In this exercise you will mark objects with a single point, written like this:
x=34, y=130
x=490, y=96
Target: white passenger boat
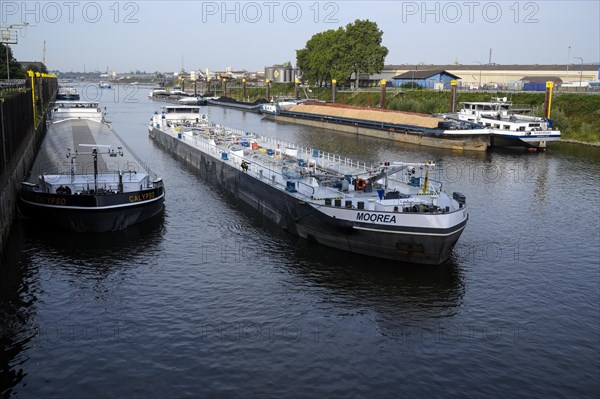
x=191, y=101
x=393, y=210
x=275, y=108
x=175, y=115
x=507, y=126
x=67, y=93
x=158, y=92
x=176, y=91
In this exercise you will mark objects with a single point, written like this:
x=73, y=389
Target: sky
x=158, y=35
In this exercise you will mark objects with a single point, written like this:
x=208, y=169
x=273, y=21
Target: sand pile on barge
x=395, y=117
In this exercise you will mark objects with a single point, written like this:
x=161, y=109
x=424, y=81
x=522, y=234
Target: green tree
x=16, y=71
x=323, y=57
x=365, y=52
x=336, y=54
x=34, y=68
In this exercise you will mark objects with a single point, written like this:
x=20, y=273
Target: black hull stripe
x=416, y=230
x=94, y=208
x=410, y=232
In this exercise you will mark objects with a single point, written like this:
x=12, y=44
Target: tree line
x=340, y=53
x=15, y=68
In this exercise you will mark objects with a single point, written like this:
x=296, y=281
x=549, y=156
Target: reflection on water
x=541, y=187
x=96, y=255
x=399, y=296
x=124, y=244
x=578, y=152
x=26, y=269
x=18, y=294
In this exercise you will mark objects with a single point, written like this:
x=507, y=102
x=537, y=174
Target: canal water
x=209, y=300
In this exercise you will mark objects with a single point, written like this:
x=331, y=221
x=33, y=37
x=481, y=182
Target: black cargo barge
x=99, y=186
x=228, y=102
x=91, y=213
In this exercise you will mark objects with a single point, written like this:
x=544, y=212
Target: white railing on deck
x=308, y=152
x=324, y=159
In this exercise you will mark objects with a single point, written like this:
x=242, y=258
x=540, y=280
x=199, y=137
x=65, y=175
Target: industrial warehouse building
x=496, y=76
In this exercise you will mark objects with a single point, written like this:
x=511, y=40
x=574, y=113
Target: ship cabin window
x=521, y=128
x=488, y=125
x=186, y=110
x=506, y=127
x=77, y=105
x=534, y=125
x=497, y=126
x=504, y=107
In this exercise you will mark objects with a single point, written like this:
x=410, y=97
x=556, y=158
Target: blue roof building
x=426, y=79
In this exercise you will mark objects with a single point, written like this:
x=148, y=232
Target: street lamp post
x=8, y=35
x=268, y=89
x=580, y=70
x=568, y=60
x=5, y=39
x=7, y=63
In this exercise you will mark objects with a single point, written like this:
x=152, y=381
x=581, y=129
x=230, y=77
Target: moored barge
x=393, y=210
x=86, y=179
x=392, y=125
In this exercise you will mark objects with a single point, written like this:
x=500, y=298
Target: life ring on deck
x=361, y=184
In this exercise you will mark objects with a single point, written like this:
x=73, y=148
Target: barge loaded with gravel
x=406, y=127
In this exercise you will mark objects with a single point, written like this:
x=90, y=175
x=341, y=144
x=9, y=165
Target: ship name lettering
x=141, y=197
x=374, y=217
x=51, y=200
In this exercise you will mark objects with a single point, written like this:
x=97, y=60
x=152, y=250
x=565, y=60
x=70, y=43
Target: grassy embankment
x=576, y=115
